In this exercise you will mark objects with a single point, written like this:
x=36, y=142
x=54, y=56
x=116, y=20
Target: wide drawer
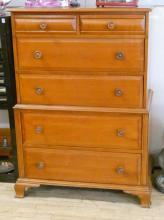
x=64, y=24
x=114, y=55
x=82, y=166
x=107, y=91
x=112, y=24
x=81, y=129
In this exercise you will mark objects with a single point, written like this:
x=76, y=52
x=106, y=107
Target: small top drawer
x=56, y=24
x=109, y=24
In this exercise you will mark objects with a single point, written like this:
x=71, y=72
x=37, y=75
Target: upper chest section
x=78, y=22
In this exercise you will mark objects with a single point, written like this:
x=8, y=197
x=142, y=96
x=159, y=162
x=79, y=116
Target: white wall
x=156, y=71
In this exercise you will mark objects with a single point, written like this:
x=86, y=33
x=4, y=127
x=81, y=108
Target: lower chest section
x=80, y=146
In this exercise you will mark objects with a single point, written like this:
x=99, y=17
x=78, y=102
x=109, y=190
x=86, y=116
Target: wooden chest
x=83, y=106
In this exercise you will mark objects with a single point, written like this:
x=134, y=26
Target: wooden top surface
x=79, y=9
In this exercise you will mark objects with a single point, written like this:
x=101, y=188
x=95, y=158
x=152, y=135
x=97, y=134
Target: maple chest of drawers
x=83, y=106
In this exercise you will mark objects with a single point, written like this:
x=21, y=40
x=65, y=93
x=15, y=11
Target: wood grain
x=70, y=166
x=112, y=24
x=56, y=24
x=110, y=91
x=86, y=54
x=81, y=129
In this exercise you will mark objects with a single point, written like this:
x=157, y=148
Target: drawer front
x=82, y=166
x=108, y=91
x=114, y=55
x=56, y=24
x=112, y=24
x=81, y=129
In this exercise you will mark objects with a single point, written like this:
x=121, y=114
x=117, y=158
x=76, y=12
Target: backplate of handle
x=120, y=55
x=37, y=54
x=120, y=133
x=111, y=26
x=43, y=26
x=40, y=165
x=39, y=90
x=120, y=170
x=118, y=92
x=38, y=129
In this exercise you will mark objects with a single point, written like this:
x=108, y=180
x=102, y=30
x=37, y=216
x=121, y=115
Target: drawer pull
x=120, y=170
x=43, y=26
x=40, y=165
x=118, y=92
x=120, y=56
x=39, y=90
x=38, y=130
x=111, y=26
x=120, y=133
x=38, y=54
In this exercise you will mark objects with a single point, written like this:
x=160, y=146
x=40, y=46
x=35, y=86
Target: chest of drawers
x=83, y=107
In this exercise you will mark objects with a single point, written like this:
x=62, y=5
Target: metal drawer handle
x=120, y=55
x=40, y=165
x=2, y=81
x=39, y=130
x=118, y=92
x=120, y=133
x=1, y=73
x=3, y=99
x=120, y=170
x=38, y=54
x=2, y=90
x=43, y=26
x=39, y=90
x=111, y=26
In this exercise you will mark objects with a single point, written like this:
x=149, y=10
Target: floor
x=57, y=203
